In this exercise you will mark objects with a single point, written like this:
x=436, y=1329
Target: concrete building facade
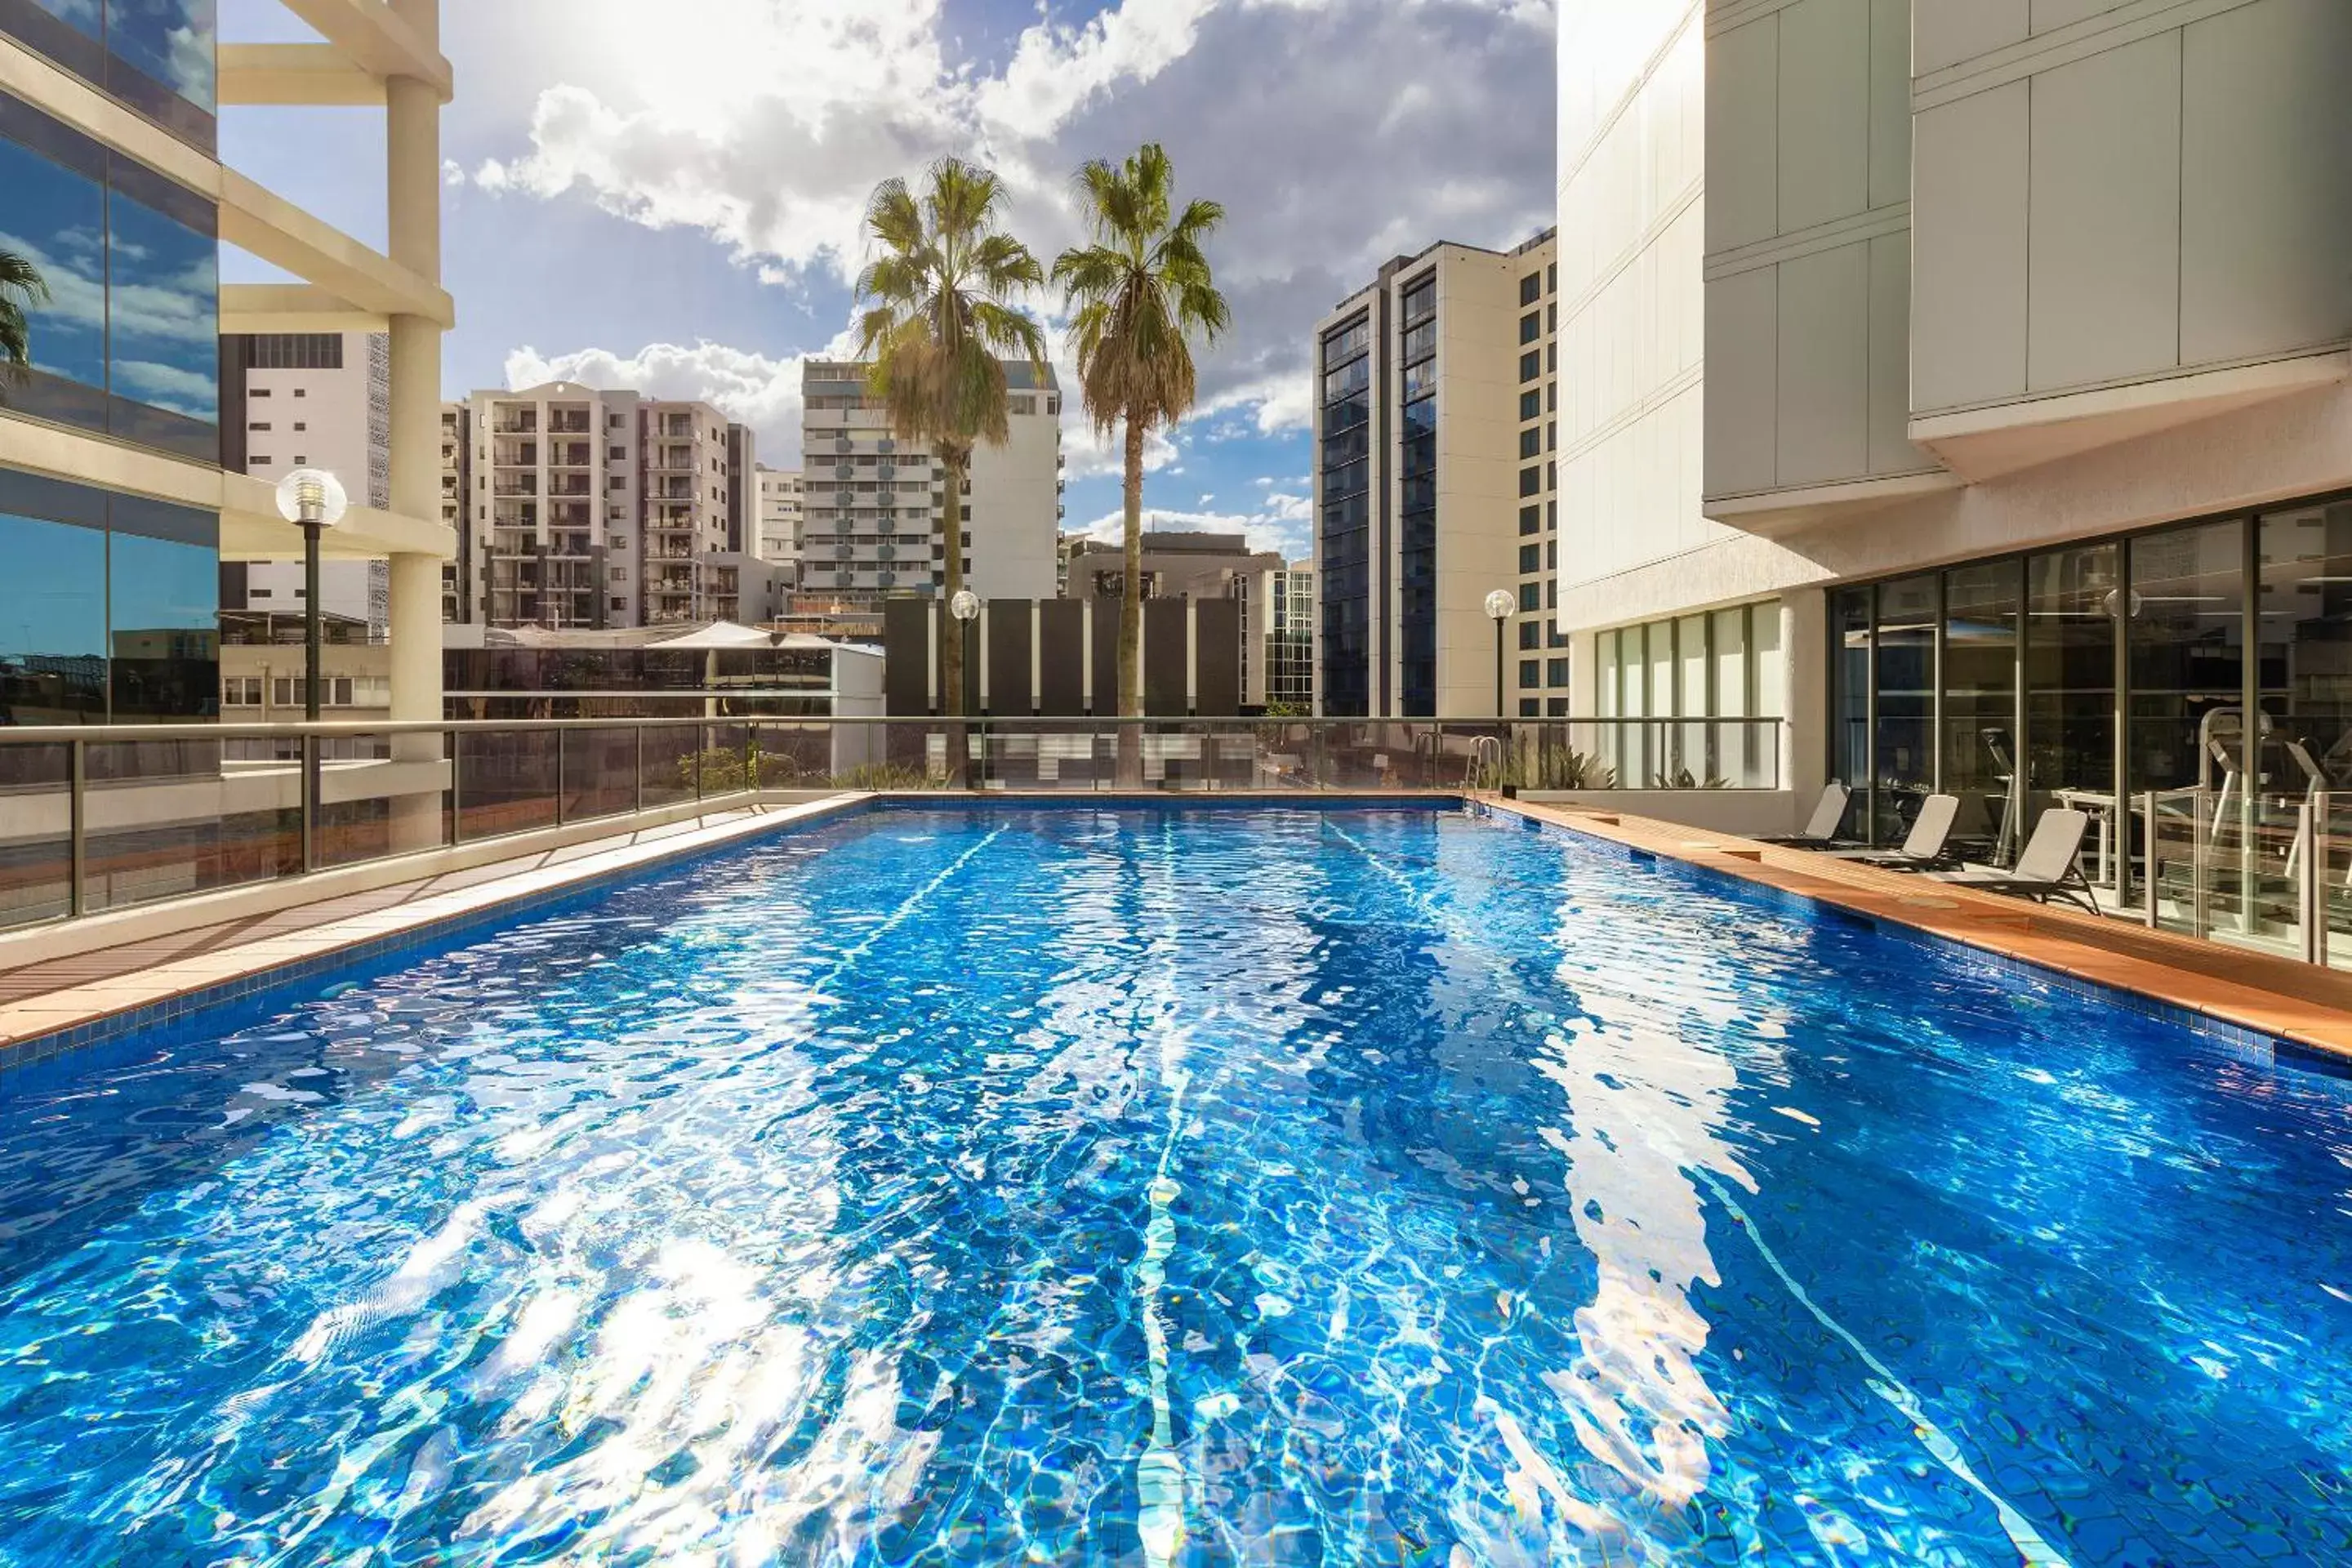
x=309, y=400
x=871, y=502
x=588, y=509
x=2021, y=335
x=1431, y=427
x=782, y=520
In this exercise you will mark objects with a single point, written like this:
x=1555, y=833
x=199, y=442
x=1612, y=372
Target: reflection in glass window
x=2187, y=611
x=1981, y=604
x=170, y=40
x=166, y=313
x=82, y=15
x=2307, y=646
x=165, y=615
x=2073, y=597
x=55, y=218
x=1906, y=668
x=53, y=637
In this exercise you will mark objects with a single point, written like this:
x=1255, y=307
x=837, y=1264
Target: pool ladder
x=1485, y=769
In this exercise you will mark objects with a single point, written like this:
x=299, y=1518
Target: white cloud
x=1320, y=124
x=753, y=389
x=1280, y=528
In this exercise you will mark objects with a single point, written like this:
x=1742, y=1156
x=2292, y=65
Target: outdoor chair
x=1927, y=848
x=1821, y=833
x=2050, y=869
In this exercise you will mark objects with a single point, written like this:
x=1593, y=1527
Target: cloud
x=1336, y=133
x=1279, y=525
x=753, y=389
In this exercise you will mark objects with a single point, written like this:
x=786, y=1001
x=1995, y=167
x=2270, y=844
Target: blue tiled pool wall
x=176, y=1020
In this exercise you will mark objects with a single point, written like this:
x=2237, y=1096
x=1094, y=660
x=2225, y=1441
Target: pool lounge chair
x=1821, y=833
x=2050, y=869
x=1928, y=847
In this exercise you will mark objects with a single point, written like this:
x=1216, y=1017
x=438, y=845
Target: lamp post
x=965, y=608
x=1499, y=605
x=313, y=500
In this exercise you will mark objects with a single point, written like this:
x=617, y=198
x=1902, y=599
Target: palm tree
x=940, y=315
x=1134, y=297
x=21, y=287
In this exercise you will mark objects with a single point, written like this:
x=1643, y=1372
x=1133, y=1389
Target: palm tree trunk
x=1130, y=618
x=952, y=631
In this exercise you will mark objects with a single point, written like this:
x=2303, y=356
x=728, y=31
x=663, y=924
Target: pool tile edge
x=43, y=1026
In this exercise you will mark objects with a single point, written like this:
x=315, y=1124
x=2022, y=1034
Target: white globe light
x=965, y=605
x=1500, y=603
x=312, y=495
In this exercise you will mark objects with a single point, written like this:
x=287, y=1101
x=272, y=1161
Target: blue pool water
x=1075, y=1186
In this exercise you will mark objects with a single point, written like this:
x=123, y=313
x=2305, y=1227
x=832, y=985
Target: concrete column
x=413, y=186
x=1805, y=665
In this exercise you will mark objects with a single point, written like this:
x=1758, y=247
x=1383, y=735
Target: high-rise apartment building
x=1966, y=383
x=597, y=509
x=117, y=509
x=297, y=400
x=781, y=520
x=1432, y=431
x=871, y=501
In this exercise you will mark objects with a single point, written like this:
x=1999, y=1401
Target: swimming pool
x=1185, y=1186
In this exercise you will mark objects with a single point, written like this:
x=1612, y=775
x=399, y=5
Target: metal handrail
x=105, y=734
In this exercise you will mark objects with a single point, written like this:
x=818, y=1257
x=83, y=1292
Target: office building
x=1176, y=565
x=1279, y=637
x=871, y=514
x=1433, y=482
x=781, y=520
x=588, y=509
x=297, y=400
x=117, y=509
x=1968, y=386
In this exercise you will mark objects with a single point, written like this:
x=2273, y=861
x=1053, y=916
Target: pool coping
x=2265, y=1003
x=42, y=1027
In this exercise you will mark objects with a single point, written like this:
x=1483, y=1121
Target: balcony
x=522, y=424
x=571, y=455
x=527, y=486
x=569, y=422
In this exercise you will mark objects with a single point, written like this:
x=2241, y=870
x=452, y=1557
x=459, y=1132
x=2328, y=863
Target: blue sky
x=666, y=196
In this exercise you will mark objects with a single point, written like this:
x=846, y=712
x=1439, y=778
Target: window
x=1530, y=672
x=1531, y=365
x=262, y=425
x=620, y=604
x=1530, y=405
x=1531, y=326
x=300, y=426
x=1551, y=399
x=1556, y=673
x=1530, y=288
x=1552, y=436
x=1530, y=597
x=1531, y=708
x=1531, y=442
x=1530, y=558
x=1531, y=636
x=1530, y=519
x=1551, y=278
x=301, y=392
x=1531, y=482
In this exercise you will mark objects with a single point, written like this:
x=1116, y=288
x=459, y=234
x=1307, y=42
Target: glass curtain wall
x=127, y=342
x=1346, y=521
x=156, y=55
x=1905, y=669
x=2103, y=676
x=1982, y=606
x=1417, y=536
